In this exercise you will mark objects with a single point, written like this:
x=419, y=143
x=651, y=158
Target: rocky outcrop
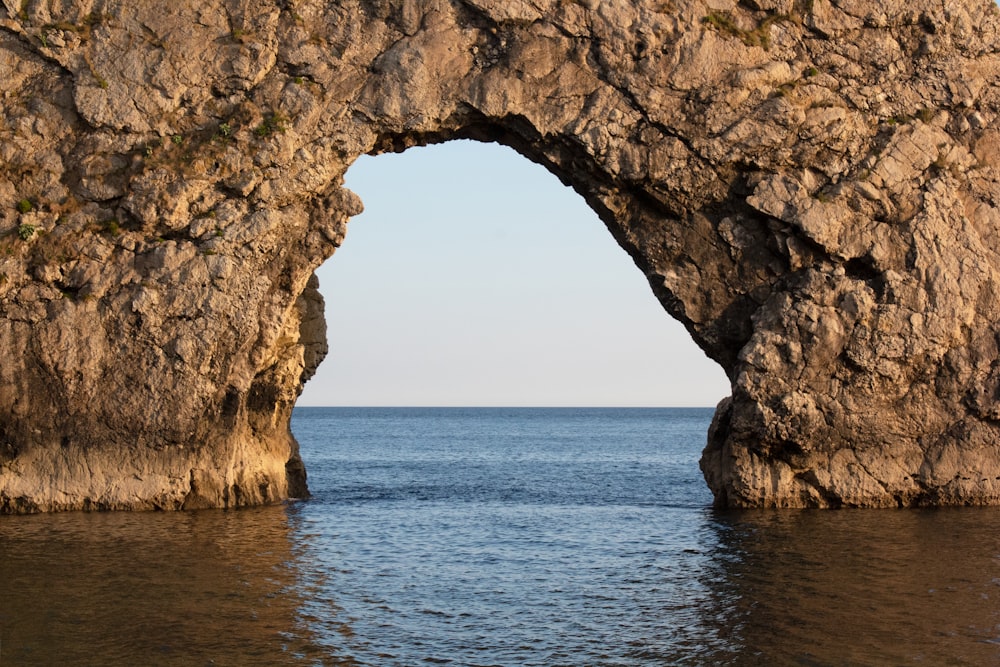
x=810, y=187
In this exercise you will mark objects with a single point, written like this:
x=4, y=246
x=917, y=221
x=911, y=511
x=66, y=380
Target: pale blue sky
x=475, y=278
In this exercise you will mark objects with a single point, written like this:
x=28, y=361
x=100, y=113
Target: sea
x=496, y=536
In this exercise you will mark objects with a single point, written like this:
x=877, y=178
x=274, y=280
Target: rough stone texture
x=811, y=187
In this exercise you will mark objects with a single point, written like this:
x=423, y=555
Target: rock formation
x=811, y=187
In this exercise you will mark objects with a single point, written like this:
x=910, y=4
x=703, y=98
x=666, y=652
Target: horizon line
x=522, y=407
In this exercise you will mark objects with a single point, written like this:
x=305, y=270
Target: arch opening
x=475, y=278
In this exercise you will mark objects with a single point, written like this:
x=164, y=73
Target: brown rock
x=809, y=187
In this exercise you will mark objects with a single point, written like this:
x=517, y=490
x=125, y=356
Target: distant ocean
x=489, y=536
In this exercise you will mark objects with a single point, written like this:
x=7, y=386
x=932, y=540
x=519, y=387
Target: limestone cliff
x=811, y=187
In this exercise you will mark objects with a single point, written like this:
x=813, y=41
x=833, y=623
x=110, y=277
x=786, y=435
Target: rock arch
x=810, y=187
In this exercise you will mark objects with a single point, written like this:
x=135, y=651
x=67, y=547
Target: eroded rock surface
x=811, y=187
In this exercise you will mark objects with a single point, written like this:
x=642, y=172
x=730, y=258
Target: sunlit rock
x=810, y=187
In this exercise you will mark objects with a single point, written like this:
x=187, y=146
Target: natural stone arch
x=809, y=187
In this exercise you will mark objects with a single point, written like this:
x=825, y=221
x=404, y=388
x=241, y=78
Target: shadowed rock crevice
x=809, y=187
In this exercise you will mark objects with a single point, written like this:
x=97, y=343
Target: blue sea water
x=502, y=537
x=510, y=537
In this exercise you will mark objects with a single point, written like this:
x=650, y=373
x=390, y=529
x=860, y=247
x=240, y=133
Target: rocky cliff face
x=811, y=187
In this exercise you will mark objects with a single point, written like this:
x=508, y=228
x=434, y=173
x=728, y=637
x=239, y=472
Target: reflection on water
x=882, y=587
x=251, y=588
x=502, y=538
x=194, y=588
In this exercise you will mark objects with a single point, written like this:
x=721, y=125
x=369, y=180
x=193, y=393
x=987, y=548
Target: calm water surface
x=502, y=537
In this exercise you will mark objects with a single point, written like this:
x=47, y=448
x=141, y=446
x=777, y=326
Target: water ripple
x=480, y=538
